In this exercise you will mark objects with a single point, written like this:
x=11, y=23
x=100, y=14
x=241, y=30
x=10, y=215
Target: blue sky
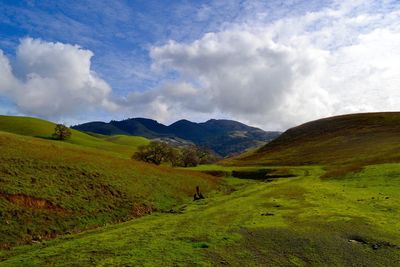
x=182, y=59
x=120, y=33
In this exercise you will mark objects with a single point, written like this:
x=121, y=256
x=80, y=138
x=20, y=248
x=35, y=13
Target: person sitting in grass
x=198, y=195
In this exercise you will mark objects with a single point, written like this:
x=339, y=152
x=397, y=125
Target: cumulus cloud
x=167, y=103
x=267, y=71
x=7, y=80
x=52, y=80
x=338, y=60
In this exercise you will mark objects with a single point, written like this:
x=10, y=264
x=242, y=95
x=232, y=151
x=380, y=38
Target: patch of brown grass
x=341, y=140
x=337, y=172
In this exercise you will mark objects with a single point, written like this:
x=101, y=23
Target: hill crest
x=344, y=139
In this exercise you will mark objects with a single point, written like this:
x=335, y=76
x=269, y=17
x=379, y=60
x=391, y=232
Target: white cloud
x=7, y=80
x=269, y=72
x=53, y=80
x=168, y=103
x=337, y=60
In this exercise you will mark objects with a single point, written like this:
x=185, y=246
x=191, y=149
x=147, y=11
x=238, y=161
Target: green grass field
x=302, y=221
x=121, y=145
x=50, y=187
x=82, y=203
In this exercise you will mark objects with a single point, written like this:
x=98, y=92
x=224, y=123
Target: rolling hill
x=50, y=187
x=123, y=145
x=365, y=138
x=307, y=218
x=225, y=137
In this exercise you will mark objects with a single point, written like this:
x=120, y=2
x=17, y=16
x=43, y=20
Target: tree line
x=157, y=152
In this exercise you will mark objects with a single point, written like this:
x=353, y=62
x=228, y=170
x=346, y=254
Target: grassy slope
x=313, y=220
x=49, y=187
x=351, y=139
x=119, y=144
x=303, y=221
x=126, y=140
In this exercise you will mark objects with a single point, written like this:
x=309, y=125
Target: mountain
x=347, y=139
x=103, y=128
x=153, y=125
x=225, y=137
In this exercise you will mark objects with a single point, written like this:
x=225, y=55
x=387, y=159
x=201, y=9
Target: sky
x=272, y=64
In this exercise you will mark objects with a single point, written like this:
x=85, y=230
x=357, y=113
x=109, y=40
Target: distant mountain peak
x=183, y=121
x=225, y=137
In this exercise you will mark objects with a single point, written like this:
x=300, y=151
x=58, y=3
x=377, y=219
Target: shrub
x=61, y=132
x=155, y=152
x=189, y=156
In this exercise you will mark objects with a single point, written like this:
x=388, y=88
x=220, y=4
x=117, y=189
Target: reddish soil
x=31, y=202
x=139, y=210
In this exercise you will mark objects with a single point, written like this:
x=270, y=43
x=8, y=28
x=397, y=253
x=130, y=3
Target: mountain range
x=225, y=137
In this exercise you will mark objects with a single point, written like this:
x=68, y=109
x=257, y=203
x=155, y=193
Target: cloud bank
x=338, y=60
x=52, y=80
x=273, y=73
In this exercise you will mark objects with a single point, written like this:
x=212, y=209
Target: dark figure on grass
x=198, y=194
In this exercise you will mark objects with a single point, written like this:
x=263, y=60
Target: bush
x=190, y=156
x=61, y=132
x=155, y=152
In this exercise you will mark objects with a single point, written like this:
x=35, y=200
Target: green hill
x=119, y=144
x=133, y=141
x=271, y=216
x=349, y=139
x=50, y=187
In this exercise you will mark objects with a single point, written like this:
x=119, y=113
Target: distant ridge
x=225, y=137
x=348, y=139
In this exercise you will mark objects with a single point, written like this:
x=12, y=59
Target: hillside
x=292, y=216
x=119, y=144
x=50, y=187
x=365, y=138
x=225, y=137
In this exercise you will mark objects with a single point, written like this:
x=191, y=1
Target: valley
x=237, y=133
x=298, y=221
x=84, y=201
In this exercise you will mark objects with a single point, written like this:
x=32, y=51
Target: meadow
x=49, y=187
x=303, y=221
x=85, y=202
x=120, y=145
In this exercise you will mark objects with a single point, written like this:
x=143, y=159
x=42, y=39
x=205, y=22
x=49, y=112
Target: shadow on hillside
x=263, y=174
